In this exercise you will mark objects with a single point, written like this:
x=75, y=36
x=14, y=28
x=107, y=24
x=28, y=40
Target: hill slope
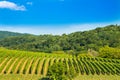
x=74, y=42
x=23, y=62
x=5, y=34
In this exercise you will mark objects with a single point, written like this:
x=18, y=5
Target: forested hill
x=5, y=34
x=74, y=42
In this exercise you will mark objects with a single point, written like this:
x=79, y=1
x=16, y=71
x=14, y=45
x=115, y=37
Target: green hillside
x=72, y=43
x=5, y=34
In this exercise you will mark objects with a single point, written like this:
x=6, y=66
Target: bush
x=109, y=52
x=59, y=71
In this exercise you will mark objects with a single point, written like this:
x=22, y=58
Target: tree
x=109, y=52
x=59, y=71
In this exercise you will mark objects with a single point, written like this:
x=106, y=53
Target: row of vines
x=21, y=62
x=39, y=66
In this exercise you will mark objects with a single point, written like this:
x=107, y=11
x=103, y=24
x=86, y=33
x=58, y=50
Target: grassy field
x=80, y=77
x=97, y=77
x=19, y=77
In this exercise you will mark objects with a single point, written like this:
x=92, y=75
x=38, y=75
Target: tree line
x=74, y=43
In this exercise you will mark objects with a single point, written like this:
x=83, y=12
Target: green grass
x=19, y=77
x=80, y=77
x=97, y=77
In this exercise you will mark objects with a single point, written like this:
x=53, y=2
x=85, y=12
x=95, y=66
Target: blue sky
x=57, y=16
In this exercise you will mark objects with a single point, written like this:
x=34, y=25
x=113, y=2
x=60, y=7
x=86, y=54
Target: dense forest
x=74, y=43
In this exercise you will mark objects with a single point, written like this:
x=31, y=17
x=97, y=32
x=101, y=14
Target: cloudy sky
x=57, y=16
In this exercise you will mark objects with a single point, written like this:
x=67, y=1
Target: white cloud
x=57, y=30
x=11, y=5
x=29, y=3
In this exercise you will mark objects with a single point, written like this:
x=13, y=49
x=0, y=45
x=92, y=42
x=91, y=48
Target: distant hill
x=5, y=34
x=74, y=42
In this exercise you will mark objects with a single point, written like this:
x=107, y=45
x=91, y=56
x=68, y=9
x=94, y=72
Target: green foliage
x=58, y=52
x=84, y=55
x=5, y=34
x=55, y=66
x=72, y=43
x=109, y=52
x=59, y=71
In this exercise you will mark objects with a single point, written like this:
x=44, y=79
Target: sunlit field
x=24, y=65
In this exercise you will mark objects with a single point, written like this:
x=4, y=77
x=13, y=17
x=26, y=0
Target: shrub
x=59, y=71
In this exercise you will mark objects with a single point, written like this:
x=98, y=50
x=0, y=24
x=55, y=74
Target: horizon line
x=42, y=30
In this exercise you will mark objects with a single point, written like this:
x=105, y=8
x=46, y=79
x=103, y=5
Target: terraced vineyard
x=23, y=62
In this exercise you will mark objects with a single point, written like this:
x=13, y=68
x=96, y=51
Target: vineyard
x=33, y=63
